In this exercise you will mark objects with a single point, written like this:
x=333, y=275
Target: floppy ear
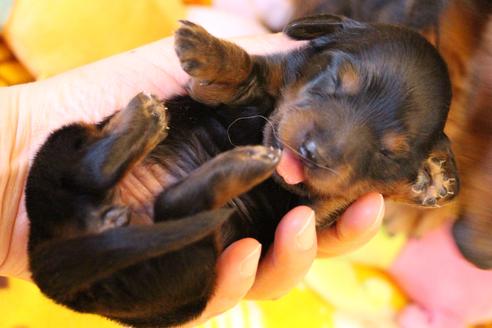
x=311, y=27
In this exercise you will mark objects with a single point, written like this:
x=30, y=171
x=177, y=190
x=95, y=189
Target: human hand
x=94, y=91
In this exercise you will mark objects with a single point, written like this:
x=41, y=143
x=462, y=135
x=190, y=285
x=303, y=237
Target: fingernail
x=380, y=215
x=306, y=236
x=250, y=264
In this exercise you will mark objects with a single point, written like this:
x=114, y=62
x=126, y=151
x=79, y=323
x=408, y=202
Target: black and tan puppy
x=416, y=14
x=361, y=107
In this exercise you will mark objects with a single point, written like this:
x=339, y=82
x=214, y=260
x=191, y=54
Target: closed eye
x=387, y=153
x=315, y=92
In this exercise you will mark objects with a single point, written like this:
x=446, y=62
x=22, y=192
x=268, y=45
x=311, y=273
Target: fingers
x=286, y=263
x=290, y=256
x=360, y=222
x=234, y=281
x=236, y=270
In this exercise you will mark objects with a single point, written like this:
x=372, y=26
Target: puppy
x=472, y=230
x=362, y=107
x=416, y=14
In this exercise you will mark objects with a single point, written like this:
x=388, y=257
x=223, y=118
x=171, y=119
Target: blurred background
x=394, y=281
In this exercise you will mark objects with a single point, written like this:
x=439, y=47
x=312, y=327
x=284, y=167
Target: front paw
x=197, y=50
x=260, y=155
x=434, y=187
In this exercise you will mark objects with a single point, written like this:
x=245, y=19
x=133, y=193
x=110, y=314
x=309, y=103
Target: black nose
x=308, y=150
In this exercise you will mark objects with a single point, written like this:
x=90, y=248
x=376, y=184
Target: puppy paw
x=240, y=170
x=153, y=110
x=130, y=134
x=144, y=121
x=433, y=187
x=260, y=154
x=198, y=51
x=218, y=181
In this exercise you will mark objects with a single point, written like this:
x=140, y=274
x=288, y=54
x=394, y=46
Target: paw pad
x=196, y=49
x=433, y=188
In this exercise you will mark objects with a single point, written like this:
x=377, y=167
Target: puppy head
x=365, y=109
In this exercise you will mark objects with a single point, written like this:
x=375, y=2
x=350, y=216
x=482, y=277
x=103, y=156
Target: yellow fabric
x=11, y=71
x=198, y=2
x=357, y=287
x=337, y=293
x=52, y=36
x=24, y=306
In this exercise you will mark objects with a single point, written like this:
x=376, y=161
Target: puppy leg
x=222, y=72
x=210, y=186
x=126, y=138
x=216, y=182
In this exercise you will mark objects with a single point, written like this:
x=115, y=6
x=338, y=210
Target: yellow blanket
x=337, y=293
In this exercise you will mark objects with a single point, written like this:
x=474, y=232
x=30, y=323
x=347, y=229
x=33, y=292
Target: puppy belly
x=139, y=188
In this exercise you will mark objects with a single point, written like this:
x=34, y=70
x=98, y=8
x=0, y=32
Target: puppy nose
x=308, y=150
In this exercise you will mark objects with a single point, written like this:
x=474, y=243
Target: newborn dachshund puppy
x=361, y=107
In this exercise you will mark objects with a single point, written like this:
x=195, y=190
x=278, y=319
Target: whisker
x=277, y=137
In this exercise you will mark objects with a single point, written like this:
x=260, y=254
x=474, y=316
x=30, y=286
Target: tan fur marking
x=395, y=142
x=350, y=80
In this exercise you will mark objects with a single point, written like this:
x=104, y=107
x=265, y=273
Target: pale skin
x=28, y=113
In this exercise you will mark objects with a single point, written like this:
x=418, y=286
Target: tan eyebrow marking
x=349, y=80
x=395, y=142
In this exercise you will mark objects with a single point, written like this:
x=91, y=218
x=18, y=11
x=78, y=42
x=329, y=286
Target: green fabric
x=5, y=6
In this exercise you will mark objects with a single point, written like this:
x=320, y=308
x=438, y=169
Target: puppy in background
x=472, y=231
x=416, y=14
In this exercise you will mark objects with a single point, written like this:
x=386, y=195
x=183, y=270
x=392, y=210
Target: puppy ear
x=473, y=241
x=311, y=27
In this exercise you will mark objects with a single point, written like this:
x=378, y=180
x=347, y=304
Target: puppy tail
x=64, y=267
